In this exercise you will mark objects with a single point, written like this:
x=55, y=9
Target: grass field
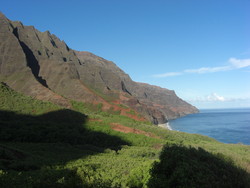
x=45, y=145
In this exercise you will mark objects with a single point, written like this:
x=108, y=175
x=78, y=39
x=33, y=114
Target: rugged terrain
x=90, y=126
x=46, y=145
x=40, y=65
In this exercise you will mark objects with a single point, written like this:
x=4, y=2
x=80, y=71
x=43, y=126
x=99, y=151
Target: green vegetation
x=110, y=96
x=123, y=106
x=44, y=145
x=16, y=102
x=182, y=166
x=131, y=112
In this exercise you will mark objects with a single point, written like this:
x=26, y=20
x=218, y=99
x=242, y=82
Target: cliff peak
x=2, y=16
x=41, y=65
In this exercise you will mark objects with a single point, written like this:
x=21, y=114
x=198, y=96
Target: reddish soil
x=115, y=105
x=126, y=111
x=124, y=129
x=135, y=117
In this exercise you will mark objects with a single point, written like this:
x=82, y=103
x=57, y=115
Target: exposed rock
x=41, y=65
x=157, y=104
x=12, y=57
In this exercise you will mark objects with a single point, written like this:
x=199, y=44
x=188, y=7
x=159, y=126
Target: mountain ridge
x=41, y=65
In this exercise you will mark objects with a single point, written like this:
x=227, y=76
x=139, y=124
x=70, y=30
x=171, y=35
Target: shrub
x=182, y=166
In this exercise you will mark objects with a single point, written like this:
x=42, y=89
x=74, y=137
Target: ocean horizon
x=231, y=125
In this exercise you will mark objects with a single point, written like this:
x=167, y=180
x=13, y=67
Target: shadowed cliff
x=39, y=64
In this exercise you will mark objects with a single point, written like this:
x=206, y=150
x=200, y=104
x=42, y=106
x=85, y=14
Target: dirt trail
x=124, y=129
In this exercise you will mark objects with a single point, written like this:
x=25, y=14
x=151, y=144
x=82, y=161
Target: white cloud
x=216, y=101
x=239, y=63
x=215, y=97
x=168, y=74
x=204, y=70
x=233, y=64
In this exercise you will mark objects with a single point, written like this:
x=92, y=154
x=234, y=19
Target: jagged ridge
x=41, y=65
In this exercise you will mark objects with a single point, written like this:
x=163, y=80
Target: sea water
x=225, y=125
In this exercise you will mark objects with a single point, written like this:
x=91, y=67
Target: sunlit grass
x=44, y=145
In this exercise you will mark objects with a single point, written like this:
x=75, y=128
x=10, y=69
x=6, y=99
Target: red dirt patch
x=124, y=129
x=126, y=111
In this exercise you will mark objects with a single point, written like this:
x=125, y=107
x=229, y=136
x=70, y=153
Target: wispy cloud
x=204, y=70
x=233, y=64
x=217, y=101
x=214, y=97
x=168, y=74
x=239, y=63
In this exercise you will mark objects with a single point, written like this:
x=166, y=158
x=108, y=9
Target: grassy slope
x=44, y=145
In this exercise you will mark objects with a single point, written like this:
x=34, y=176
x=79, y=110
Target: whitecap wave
x=168, y=126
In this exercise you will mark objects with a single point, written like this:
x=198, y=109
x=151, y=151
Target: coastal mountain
x=40, y=65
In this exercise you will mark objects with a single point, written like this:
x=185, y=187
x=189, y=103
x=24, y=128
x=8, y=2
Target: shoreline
x=165, y=126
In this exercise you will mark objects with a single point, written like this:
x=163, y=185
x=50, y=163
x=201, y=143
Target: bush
x=182, y=166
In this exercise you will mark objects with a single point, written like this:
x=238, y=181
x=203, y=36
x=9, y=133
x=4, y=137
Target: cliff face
x=157, y=104
x=41, y=65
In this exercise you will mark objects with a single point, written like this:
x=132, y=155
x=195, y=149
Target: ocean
x=225, y=125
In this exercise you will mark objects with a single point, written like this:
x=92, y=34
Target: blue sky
x=199, y=48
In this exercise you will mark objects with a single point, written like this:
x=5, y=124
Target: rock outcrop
x=41, y=65
x=157, y=104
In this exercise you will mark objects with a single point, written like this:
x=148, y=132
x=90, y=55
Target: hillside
x=40, y=65
x=73, y=119
x=45, y=145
